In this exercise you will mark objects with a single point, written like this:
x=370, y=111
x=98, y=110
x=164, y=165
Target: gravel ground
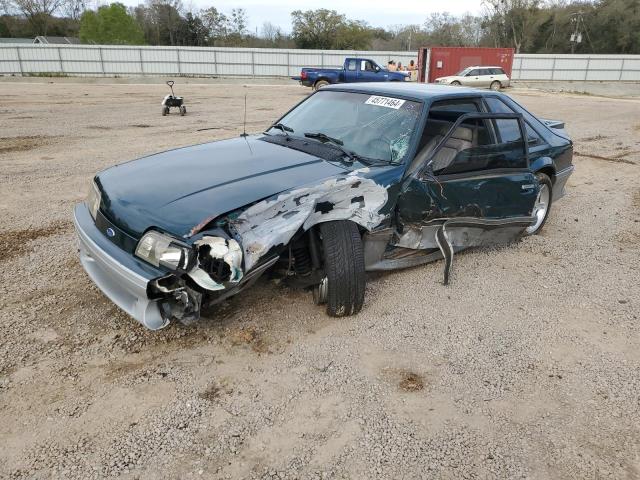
x=526, y=366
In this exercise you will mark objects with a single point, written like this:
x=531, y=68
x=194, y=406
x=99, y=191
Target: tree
x=166, y=20
x=514, y=19
x=38, y=12
x=111, y=24
x=270, y=32
x=194, y=32
x=216, y=24
x=316, y=28
x=353, y=35
x=617, y=23
x=238, y=21
x=73, y=8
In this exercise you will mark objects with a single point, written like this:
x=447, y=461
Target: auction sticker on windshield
x=388, y=102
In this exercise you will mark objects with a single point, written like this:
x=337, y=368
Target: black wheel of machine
x=183, y=110
x=319, y=84
x=165, y=110
x=343, y=287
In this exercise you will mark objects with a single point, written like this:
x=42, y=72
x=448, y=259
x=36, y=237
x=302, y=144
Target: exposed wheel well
x=549, y=172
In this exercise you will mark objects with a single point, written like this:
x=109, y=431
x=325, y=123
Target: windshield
x=370, y=126
x=463, y=72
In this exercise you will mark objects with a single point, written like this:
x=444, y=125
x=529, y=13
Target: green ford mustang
x=354, y=178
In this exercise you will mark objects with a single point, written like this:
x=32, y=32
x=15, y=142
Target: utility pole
x=578, y=23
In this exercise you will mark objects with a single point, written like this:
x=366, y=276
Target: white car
x=492, y=77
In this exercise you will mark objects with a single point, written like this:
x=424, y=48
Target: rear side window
x=485, y=71
x=351, y=66
x=497, y=71
x=505, y=128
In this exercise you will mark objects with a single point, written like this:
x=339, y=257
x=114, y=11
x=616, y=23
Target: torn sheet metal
x=274, y=221
x=217, y=248
x=419, y=238
x=458, y=233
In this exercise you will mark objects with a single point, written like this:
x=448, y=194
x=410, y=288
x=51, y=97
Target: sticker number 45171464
x=388, y=102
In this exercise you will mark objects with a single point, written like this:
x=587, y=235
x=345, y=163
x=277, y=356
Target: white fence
x=95, y=60
x=577, y=67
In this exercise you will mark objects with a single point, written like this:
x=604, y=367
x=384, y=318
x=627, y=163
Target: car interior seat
x=435, y=130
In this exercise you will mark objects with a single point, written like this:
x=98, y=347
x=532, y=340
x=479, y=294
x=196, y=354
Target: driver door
x=370, y=72
x=473, y=183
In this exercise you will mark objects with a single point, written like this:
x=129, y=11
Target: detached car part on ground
x=353, y=179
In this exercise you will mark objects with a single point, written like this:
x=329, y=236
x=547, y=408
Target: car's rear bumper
x=117, y=273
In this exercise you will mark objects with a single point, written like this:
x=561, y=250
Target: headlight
x=93, y=199
x=159, y=249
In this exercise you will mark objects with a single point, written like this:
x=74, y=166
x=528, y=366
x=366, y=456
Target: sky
x=378, y=13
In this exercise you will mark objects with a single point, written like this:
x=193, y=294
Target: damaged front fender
x=225, y=259
x=275, y=221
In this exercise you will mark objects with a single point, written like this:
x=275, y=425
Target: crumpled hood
x=178, y=189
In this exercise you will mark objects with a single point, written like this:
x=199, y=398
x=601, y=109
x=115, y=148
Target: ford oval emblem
x=111, y=232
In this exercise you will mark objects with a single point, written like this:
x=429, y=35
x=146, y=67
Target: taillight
x=303, y=75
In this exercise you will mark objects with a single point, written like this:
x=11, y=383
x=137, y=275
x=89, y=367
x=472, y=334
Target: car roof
x=413, y=90
x=483, y=66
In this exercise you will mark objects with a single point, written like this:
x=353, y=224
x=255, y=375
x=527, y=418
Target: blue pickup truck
x=354, y=70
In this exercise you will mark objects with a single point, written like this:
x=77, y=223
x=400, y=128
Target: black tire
x=319, y=84
x=165, y=110
x=344, y=266
x=183, y=110
x=455, y=83
x=495, y=85
x=543, y=179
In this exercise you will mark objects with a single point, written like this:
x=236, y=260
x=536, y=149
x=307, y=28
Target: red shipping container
x=434, y=62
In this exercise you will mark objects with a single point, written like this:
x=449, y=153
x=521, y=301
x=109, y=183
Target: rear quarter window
x=506, y=129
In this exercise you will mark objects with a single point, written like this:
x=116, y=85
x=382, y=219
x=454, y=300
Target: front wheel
x=455, y=83
x=542, y=207
x=183, y=110
x=495, y=85
x=343, y=287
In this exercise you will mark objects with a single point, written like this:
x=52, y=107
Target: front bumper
x=119, y=275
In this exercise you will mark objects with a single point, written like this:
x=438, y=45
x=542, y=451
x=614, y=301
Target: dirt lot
x=527, y=365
